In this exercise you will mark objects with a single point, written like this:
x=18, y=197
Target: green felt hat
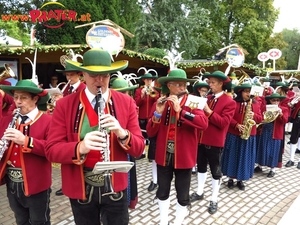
x=174, y=75
x=275, y=95
x=27, y=86
x=200, y=84
x=97, y=61
x=217, y=74
x=148, y=76
x=242, y=87
x=121, y=85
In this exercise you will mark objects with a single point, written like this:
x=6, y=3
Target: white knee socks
x=215, y=189
x=201, y=182
x=164, y=211
x=181, y=213
x=292, y=151
x=154, y=172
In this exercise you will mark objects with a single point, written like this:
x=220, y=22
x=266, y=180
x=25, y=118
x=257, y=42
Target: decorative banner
x=235, y=57
x=274, y=53
x=106, y=38
x=263, y=56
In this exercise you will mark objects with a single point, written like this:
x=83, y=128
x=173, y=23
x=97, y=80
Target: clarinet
x=12, y=124
x=108, y=188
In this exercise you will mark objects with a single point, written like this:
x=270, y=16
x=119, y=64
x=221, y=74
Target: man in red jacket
x=176, y=125
x=24, y=167
x=219, y=109
x=78, y=140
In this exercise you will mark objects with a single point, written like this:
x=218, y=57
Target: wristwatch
x=124, y=138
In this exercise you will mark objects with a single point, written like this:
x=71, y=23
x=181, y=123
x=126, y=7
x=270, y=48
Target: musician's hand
x=206, y=109
x=94, y=140
x=176, y=104
x=111, y=123
x=250, y=115
x=14, y=135
x=160, y=106
x=144, y=91
x=294, y=101
x=240, y=127
x=279, y=111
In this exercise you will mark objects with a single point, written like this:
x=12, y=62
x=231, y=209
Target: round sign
x=274, y=53
x=263, y=56
x=105, y=37
x=235, y=57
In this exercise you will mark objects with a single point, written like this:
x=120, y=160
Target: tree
x=291, y=52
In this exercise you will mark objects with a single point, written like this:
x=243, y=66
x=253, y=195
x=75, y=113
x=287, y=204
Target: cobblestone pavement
x=264, y=202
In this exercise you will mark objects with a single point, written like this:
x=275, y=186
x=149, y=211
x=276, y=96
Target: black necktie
x=71, y=89
x=23, y=119
x=96, y=105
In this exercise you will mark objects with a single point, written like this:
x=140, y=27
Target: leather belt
x=93, y=179
x=15, y=174
x=170, y=147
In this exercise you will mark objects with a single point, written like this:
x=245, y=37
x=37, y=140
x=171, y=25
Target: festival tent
x=9, y=41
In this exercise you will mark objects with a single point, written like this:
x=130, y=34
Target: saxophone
x=12, y=124
x=247, y=122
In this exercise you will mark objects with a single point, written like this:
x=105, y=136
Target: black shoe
x=230, y=184
x=194, y=172
x=59, y=192
x=213, y=207
x=257, y=169
x=271, y=174
x=141, y=157
x=297, y=150
x=152, y=186
x=298, y=166
x=240, y=185
x=289, y=163
x=195, y=197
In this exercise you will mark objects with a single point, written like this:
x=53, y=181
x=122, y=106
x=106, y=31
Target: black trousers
x=109, y=209
x=210, y=155
x=28, y=210
x=295, y=133
x=143, y=125
x=182, y=181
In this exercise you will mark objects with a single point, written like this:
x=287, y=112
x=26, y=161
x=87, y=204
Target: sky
x=289, y=16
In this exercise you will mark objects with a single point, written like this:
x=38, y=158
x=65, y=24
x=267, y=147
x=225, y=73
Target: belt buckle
x=170, y=147
x=93, y=179
x=15, y=174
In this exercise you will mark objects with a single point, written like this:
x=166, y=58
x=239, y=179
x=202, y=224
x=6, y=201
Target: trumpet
x=150, y=91
x=167, y=98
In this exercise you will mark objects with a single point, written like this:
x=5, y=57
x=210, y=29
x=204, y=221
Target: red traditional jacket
x=145, y=103
x=78, y=89
x=64, y=140
x=35, y=167
x=186, y=134
x=239, y=117
x=218, y=122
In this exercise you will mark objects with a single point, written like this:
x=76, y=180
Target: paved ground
x=266, y=201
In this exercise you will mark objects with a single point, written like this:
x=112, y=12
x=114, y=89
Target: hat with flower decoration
x=123, y=82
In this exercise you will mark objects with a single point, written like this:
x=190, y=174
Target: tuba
x=247, y=122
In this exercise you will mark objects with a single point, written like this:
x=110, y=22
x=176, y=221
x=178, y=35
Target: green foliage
x=156, y=52
x=13, y=30
x=292, y=50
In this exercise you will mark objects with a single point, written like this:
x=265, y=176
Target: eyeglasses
x=22, y=97
x=179, y=85
x=274, y=100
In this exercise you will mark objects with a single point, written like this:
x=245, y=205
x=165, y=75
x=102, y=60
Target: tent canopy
x=9, y=41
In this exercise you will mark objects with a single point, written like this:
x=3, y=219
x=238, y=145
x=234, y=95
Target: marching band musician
x=295, y=134
x=272, y=133
x=219, y=109
x=144, y=100
x=176, y=127
x=74, y=85
x=24, y=167
x=125, y=86
x=239, y=154
x=76, y=142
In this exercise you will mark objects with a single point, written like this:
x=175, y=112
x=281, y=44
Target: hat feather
x=34, y=77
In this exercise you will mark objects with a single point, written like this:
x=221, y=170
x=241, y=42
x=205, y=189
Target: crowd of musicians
x=183, y=125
